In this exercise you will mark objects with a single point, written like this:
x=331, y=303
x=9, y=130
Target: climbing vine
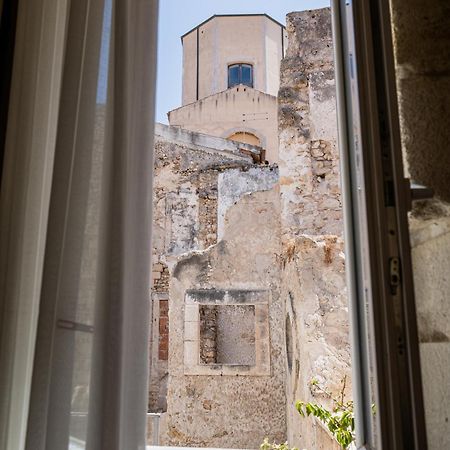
x=339, y=419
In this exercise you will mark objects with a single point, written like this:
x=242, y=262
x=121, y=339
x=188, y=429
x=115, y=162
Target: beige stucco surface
x=237, y=109
x=208, y=105
x=225, y=40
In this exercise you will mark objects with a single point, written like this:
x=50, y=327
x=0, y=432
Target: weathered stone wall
x=186, y=170
x=309, y=160
x=317, y=331
x=221, y=404
x=187, y=166
x=221, y=355
x=421, y=43
x=312, y=280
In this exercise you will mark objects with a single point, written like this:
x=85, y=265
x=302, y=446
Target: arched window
x=245, y=137
x=240, y=74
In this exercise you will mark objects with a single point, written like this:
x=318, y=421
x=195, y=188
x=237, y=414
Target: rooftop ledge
x=204, y=142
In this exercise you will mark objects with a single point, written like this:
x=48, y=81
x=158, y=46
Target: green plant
x=266, y=445
x=339, y=420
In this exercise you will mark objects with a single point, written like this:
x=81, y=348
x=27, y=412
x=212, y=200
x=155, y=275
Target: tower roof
x=232, y=15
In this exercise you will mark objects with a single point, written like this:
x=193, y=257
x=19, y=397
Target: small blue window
x=240, y=74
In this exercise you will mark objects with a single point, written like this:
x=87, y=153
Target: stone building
x=231, y=78
x=313, y=285
x=248, y=295
x=217, y=345
x=248, y=291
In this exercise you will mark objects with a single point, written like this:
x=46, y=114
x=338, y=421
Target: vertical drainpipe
x=198, y=64
x=282, y=42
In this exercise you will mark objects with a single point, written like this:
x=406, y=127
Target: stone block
x=191, y=331
x=191, y=313
x=156, y=275
x=191, y=353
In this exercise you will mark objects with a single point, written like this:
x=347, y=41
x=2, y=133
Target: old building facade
x=217, y=346
x=231, y=78
x=249, y=302
x=313, y=284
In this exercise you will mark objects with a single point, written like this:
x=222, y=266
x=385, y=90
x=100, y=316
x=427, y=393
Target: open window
x=74, y=297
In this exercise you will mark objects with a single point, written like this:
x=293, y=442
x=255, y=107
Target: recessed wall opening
x=227, y=334
x=240, y=74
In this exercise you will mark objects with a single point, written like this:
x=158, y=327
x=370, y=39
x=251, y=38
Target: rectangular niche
x=226, y=332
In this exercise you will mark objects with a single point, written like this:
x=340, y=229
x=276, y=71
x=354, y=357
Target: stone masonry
x=236, y=399
x=249, y=260
x=313, y=275
x=210, y=341
x=249, y=263
x=187, y=170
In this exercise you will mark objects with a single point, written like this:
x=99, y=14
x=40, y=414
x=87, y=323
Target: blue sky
x=178, y=16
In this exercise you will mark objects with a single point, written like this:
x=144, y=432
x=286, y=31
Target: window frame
x=240, y=66
x=384, y=338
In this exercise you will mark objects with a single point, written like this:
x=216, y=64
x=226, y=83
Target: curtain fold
x=125, y=229
x=89, y=387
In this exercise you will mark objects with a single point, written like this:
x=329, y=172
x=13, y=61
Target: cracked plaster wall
x=197, y=184
x=185, y=196
x=230, y=409
x=313, y=276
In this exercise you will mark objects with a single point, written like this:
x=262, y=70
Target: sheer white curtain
x=89, y=374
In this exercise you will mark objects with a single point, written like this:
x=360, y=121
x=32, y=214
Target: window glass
x=246, y=75
x=240, y=74
x=233, y=75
